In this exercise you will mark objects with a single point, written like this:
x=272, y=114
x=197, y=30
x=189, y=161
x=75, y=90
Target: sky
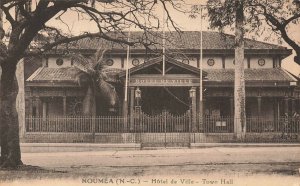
x=186, y=24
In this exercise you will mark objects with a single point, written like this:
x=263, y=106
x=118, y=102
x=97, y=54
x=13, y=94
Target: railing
x=159, y=123
x=217, y=124
x=253, y=124
x=165, y=122
x=78, y=124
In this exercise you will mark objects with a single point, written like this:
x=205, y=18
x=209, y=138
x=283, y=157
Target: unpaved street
x=240, y=163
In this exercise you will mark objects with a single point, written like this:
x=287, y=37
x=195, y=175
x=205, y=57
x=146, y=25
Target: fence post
x=188, y=114
x=93, y=128
x=137, y=118
x=165, y=125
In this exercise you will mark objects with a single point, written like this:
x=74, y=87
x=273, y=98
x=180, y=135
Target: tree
x=117, y=16
x=96, y=84
x=239, y=78
x=261, y=16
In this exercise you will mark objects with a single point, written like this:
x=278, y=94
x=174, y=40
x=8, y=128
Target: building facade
x=53, y=89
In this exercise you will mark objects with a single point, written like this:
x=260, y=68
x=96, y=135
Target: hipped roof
x=186, y=40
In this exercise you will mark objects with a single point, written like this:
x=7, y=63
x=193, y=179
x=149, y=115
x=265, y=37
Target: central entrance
x=155, y=100
x=165, y=129
x=163, y=107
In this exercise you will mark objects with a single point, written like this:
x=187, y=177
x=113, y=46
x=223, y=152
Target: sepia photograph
x=150, y=92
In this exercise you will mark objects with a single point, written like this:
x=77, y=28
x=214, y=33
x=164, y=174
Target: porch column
x=30, y=105
x=37, y=104
x=231, y=107
x=293, y=105
x=131, y=108
x=44, y=109
x=275, y=118
x=278, y=107
x=193, y=108
x=286, y=105
x=65, y=105
x=297, y=105
x=259, y=106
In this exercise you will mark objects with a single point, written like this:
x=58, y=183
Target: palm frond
x=99, y=55
x=82, y=63
x=107, y=91
x=98, y=60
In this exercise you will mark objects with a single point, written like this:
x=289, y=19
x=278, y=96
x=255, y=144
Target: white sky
x=186, y=24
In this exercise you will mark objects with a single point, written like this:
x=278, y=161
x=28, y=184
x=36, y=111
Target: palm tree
x=93, y=79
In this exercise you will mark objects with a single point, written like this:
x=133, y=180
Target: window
x=109, y=62
x=59, y=61
x=261, y=62
x=186, y=61
x=135, y=62
x=211, y=62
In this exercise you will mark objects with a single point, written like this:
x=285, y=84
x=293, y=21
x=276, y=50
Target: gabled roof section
x=157, y=60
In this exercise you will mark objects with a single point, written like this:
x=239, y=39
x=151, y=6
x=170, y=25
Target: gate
x=164, y=130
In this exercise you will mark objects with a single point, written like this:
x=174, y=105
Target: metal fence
x=253, y=124
x=164, y=122
x=163, y=128
x=77, y=124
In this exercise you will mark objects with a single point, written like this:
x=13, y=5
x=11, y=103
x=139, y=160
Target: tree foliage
x=260, y=17
x=30, y=27
x=93, y=70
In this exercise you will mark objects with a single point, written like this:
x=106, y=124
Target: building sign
x=164, y=82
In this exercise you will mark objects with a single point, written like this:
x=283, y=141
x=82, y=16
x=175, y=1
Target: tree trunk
x=89, y=102
x=239, y=79
x=10, y=142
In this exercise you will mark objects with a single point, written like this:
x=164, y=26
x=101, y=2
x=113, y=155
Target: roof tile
x=264, y=74
x=185, y=40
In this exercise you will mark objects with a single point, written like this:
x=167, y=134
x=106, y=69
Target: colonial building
x=53, y=89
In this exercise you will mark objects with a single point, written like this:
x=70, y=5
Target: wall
x=117, y=62
x=130, y=65
x=122, y=138
x=267, y=108
x=229, y=62
x=54, y=107
x=217, y=65
x=44, y=137
x=192, y=61
x=52, y=62
x=254, y=62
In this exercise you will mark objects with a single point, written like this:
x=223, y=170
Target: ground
x=204, y=166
